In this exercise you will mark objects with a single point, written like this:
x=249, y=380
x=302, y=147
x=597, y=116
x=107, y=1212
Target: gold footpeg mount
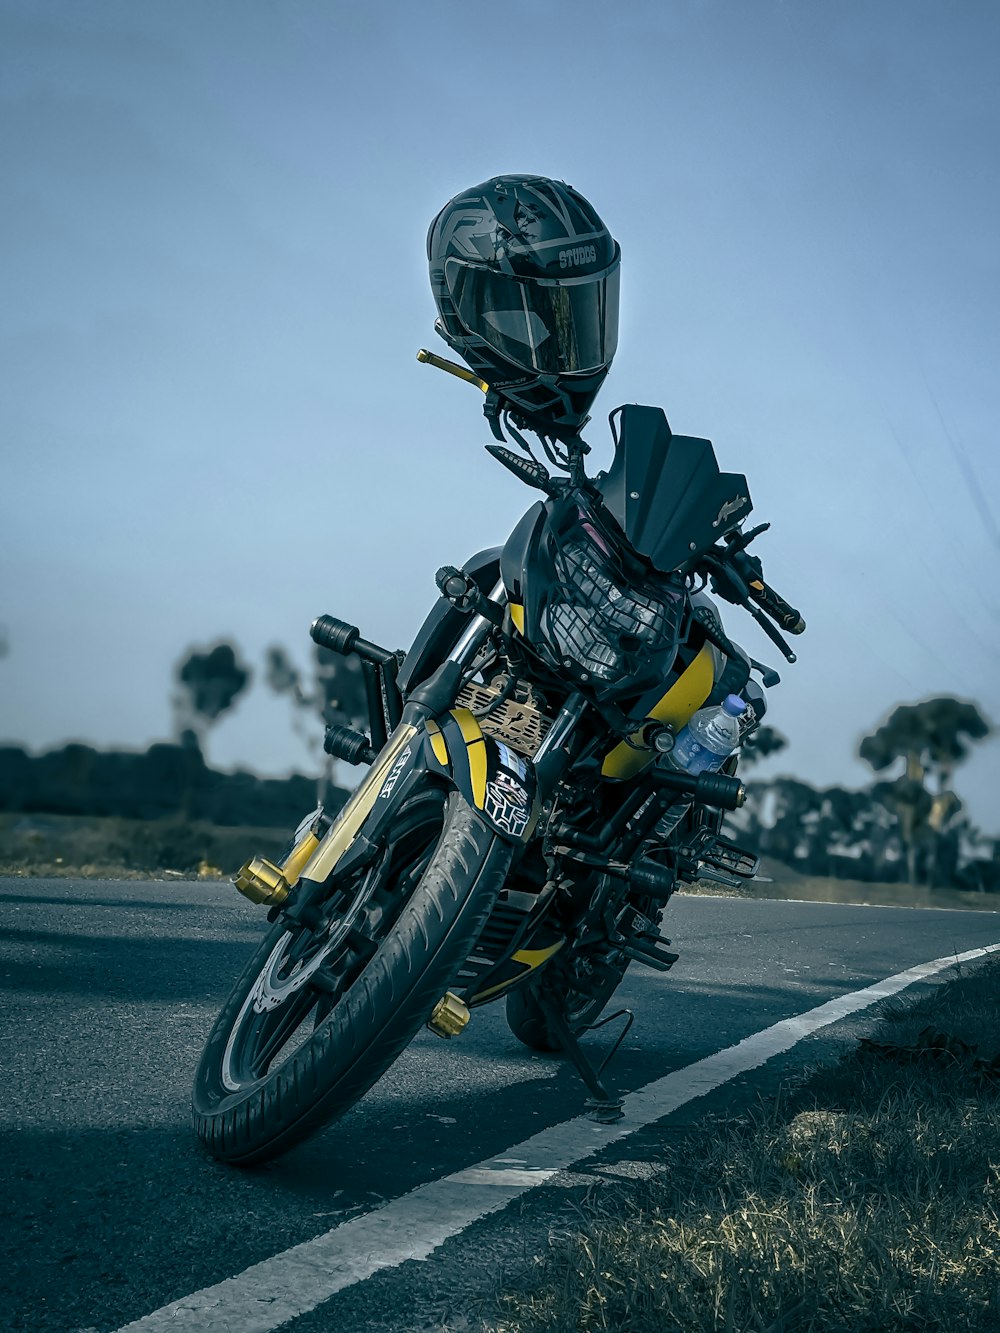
x=262, y=882
x=449, y=1016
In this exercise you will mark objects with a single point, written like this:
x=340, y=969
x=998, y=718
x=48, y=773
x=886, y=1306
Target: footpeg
x=729, y=857
x=651, y=952
x=718, y=877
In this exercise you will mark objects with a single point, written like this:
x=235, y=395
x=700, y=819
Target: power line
x=968, y=472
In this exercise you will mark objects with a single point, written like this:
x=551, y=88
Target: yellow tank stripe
x=438, y=743
x=678, y=705
x=476, y=748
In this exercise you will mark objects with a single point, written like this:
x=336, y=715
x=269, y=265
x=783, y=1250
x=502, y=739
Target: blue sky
x=212, y=421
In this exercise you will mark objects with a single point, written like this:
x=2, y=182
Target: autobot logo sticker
x=510, y=787
x=580, y=254
x=730, y=507
x=393, y=777
x=507, y=804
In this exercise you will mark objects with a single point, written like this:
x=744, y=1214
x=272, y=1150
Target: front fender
x=452, y=751
x=492, y=777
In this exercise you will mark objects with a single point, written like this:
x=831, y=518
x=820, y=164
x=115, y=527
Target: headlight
x=599, y=621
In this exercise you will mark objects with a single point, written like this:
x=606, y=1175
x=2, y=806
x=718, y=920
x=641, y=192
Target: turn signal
x=449, y=1016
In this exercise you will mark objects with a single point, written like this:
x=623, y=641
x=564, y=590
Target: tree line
x=908, y=824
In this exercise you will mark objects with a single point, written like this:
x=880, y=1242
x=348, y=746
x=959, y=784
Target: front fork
x=318, y=852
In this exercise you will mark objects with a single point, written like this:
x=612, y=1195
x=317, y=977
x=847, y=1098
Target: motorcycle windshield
x=569, y=326
x=666, y=492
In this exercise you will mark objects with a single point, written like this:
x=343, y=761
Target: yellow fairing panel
x=678, y=706
x=529, y=960
x=517, y=616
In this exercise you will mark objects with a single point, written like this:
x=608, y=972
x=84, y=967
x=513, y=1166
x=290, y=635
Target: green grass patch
x=863, y=1199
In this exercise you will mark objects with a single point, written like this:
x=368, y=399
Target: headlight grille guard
x=602, y=623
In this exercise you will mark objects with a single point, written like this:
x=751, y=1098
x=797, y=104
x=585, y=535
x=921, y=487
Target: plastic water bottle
x=711, y=736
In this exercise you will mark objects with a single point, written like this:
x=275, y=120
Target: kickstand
x=602, y=1106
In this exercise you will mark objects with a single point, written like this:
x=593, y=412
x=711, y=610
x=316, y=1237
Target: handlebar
x=739, y=578
x=776, y=607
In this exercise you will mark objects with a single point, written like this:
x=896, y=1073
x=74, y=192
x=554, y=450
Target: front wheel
x=319, y=1014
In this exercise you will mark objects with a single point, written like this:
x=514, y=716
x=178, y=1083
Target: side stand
x=603, y=1105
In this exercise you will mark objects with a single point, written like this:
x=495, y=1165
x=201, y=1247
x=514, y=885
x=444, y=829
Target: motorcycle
x=521, y=826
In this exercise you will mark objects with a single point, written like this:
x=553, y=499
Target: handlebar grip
x=776, y=607
x=340, y=637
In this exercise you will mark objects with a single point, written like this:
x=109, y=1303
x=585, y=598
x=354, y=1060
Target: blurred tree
x=209, y=682
x=760, y=744
x=335, y=694
x=824, y=831
x=931, y=739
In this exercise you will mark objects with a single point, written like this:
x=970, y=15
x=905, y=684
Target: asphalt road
x=112, y=1209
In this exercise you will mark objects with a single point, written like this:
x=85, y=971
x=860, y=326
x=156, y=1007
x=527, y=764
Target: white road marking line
x=888, y=907
x=279, y=1289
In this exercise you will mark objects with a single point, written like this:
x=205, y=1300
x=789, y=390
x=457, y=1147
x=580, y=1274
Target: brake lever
x=772, y=632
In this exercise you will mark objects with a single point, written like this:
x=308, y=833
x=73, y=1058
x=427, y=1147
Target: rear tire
x=527, y=1020
x=248, y=1106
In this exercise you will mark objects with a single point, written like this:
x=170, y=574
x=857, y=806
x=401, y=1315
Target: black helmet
x=525, y=277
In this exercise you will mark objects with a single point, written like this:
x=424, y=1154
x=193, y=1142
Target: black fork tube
x=376, y=711
x=554, y=753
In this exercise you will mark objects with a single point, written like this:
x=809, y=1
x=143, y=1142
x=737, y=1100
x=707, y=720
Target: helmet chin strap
x=492, y=409
x=497, y=406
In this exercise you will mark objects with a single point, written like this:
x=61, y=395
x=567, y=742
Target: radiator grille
x=517, y=722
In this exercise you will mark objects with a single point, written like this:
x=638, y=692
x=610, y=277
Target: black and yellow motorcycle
x=521, y=826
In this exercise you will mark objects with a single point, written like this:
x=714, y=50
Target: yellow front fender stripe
x=438, y=744
x=475, y=745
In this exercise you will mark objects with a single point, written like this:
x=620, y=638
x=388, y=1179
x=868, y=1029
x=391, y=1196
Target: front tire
x=305, y=1033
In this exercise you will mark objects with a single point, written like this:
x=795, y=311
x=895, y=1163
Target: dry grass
x=864, y=1200
x=114, y=848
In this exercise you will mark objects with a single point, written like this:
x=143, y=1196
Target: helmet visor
x=556, y=326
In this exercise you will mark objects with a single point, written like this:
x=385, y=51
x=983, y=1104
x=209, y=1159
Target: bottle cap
x=734, y=705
